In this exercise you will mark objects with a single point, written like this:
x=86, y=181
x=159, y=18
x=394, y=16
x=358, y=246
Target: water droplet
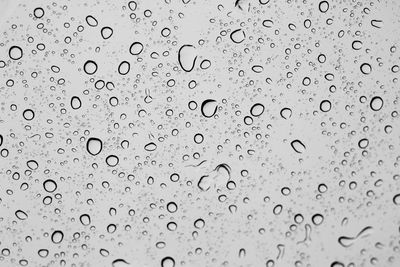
x=15, y=52
x=32, y=164
x=187, y=57
x=85, y=219
x=376, y=103
x=199, y=223
x=348, y=241
x=356, y=45
x=94, y=146
x=366, y=68
x=172, y=207
x=38, y=12
x=75, y=102
x=298, y=146
x=268, y=23
x=209, y=108
x=57, y=237
x=168, y=262
x=119, y=263
x=396, y=199
x=238, y=36
x=90, y=67
x=21, y=215
x=112, y=160
x=377, y=23
x=317, y=219
x=106, y=32
x=150, y=147
x=28, y=114
x=50, y=185
x=323, y=6
x=43, y=253
x=124, y=67
x=325, y=106
x=91, y=21
x=136, y=48
x=286, y=113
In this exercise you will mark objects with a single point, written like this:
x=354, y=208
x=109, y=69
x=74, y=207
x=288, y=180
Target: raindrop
x=363, y=143
x=325, y=106
x=209, y=108
x=317, y=219
x=124, y=67
x=257, y=109
x=298, y=146
x=90, y=67
x=132, y=5
x=199, y=223
x=168, y=262
x=377, y=23
x=91, y=21
x=112, y=160
x=38, y=12
x=21, y=215
x=85, y=219
x=32, y=164
x=43, y=253
x=257, y=68
x=366, y=68
x=187, y=57
x=50, y=185
x=376, y=103
x=119, y=263
x=57, y=236
x=356, y=45
x=75, y=102
x=286, y=113
x=150, y=147
x=205, y=64
x=268, y=23
x=172, y=207
x=396, y=199
x=28, y=114
x=238, y=36
x=136, y=48
x=106, y=32
x=94, y=146
x=15, y=52
x=323, y=6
